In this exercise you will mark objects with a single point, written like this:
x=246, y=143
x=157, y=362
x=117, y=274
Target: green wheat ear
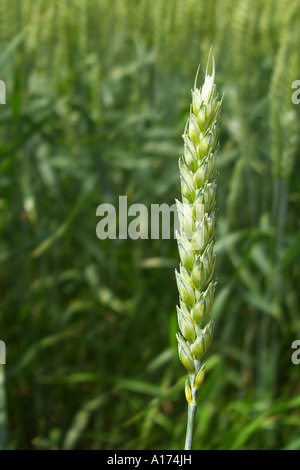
x=196, y=288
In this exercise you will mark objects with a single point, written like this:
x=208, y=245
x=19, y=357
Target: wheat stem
x=190, y=426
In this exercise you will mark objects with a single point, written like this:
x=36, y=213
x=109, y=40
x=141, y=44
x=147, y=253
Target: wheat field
x=97, y=97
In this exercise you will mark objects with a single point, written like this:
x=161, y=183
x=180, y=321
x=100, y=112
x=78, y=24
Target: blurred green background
x=98, y=94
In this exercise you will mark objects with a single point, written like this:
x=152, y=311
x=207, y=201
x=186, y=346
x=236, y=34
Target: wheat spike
x=196, y=238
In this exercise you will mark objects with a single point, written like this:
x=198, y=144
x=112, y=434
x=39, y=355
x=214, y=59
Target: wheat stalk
x=196, y=238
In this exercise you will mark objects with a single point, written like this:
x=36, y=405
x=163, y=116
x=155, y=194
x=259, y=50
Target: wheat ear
x=196, y=238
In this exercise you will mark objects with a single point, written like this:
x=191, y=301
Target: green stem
x=190, y=426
